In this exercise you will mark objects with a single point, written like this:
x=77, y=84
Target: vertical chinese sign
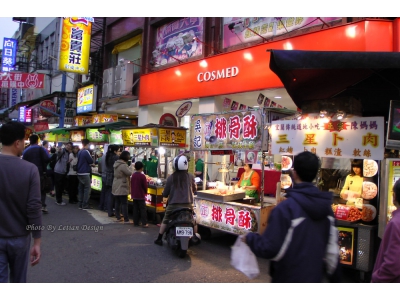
x=8, y=55
x=75, y=44
x=356, y=137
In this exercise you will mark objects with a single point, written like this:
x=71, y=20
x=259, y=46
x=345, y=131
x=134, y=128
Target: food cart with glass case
x=226, y=207
x=139, y=140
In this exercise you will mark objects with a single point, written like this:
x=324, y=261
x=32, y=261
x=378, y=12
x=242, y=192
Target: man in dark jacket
x=298, y=228
x=39, y=156
x=83, y=170
x=20, y=214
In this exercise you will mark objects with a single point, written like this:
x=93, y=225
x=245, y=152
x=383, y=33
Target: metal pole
x=62, y=100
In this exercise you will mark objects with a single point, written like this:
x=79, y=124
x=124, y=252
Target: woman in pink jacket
x=387, y=265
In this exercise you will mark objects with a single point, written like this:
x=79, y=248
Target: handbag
x=75, y=167
x=243, y=259
x=46, y=183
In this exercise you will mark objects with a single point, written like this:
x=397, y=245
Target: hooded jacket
x=121, y=182
x=296, y=236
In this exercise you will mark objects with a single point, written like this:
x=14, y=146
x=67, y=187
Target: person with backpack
x=60, y=172
x=39, y=157
x=299, y=236
x=73, y=181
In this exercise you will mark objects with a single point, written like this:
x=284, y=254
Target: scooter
x=180, y=231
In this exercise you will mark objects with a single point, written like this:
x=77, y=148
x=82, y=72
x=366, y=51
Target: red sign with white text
x=21, y=80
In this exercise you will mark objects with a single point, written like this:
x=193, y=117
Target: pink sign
x=21, y=80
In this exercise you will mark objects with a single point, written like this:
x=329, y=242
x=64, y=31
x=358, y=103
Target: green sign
x=116, y=137
x=96, y=183
x=94, y=135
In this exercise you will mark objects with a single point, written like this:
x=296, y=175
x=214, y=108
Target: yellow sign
x=86, y=98
x=77, y=135
x=140, y=137
x=170, y=137
x=75, y=44
x=82, y=120
x=104, y=118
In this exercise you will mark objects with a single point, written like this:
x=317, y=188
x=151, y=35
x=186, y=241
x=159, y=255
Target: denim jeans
x=84, y=190
x=14, y=258
x=109, y=199
x=121, y=203
x=59, y=185
x=139, y=212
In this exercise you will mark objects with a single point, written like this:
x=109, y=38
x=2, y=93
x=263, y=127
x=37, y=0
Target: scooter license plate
x=184, y=231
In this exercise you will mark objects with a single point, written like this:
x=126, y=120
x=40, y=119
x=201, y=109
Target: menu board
x=140, y=137
x=96, y=183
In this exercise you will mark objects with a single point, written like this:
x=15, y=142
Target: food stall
x=338, y=143
x=140, y=140
x=226, y=207
x=344, y=86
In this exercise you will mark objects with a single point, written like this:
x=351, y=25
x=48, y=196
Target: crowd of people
x=298, y=226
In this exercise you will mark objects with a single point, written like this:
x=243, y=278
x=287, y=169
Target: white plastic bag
x=243, y=259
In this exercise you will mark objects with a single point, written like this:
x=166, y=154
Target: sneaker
x=158, y=242
x=126, y=222
x=44, y=210
x=80, y=207
x=61, y=203
x=118, y=220
x=87, y=207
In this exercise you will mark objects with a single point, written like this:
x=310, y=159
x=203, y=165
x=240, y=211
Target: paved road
x=87, y=246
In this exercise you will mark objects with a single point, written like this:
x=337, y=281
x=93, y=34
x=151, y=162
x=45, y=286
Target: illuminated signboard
x=96, y=183
x=75, y=44
x=8, y=55
x=175, y=138
x=355, y=137
x=140, y=137
x=86, y=99
x=25, y=115
x=230, y=131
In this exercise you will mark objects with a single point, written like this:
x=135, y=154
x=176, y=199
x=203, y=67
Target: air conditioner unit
x=108, y=82
x=107, y=89
x=108, y=75
x=123, y=79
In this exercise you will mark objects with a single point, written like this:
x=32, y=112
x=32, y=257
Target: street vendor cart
x=168, y=140
x=225, y=207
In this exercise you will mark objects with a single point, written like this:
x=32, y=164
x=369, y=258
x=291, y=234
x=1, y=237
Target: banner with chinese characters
x=63, y=138
x=75, y=44
x=355, y=137
x=229, y=218
x=77, y=135
x=234, y=130
x=104, y=118
x=116, y=137
x=22, y=80
x=9, y=53
x=175, y=138
x=94, y=135
x=177, y=39
x=267, y=27
x=139, y=137
x=82, y=120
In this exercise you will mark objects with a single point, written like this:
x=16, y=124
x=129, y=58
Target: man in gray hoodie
x=60, y=172
x=20, y=206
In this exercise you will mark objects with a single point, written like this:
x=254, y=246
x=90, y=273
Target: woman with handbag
x=72, y=176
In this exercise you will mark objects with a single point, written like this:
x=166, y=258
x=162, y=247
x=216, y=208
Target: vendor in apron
x=250, y=182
